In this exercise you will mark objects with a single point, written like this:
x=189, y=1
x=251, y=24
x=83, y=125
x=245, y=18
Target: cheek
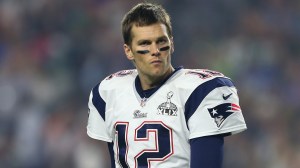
x=140, y=61
x=168, y=56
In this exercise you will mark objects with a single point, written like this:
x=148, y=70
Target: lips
x=156, y=62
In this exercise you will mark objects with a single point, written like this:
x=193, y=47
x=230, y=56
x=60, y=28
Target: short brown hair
x=144, y=14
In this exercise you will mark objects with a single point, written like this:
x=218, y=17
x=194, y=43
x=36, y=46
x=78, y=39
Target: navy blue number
x=213, y=73
x=203, y=74
x=122, y=146
x=163, y=143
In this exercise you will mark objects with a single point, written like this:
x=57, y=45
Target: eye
x=144, y=43
x=161, y=41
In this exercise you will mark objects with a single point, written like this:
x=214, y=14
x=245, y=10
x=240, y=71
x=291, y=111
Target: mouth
x=156, y=62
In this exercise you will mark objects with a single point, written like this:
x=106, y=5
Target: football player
x=156, y=115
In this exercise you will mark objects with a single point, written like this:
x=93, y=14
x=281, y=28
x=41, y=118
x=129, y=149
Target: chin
x=158, y=72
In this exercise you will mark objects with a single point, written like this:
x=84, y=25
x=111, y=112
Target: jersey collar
x=147, y=93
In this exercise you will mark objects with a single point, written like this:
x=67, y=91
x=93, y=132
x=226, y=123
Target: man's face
x=150, y=50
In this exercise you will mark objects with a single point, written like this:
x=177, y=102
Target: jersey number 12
x=163, y=137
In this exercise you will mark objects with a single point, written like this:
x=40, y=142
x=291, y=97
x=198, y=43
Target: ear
x=128, y=52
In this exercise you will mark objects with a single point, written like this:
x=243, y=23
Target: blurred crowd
x=52, y=52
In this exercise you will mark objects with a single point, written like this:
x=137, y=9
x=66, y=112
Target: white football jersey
x=155, y=132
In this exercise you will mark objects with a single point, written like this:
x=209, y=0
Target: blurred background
x=52, y=52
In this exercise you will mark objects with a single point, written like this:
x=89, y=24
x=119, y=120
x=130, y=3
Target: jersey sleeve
x=216, y=109
x=96, y=126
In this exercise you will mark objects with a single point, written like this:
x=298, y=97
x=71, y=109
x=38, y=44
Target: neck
x=148, y=82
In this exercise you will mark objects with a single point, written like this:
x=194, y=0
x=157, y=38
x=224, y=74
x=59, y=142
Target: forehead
x=149, y=32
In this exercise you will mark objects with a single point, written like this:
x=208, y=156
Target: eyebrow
x=162, y=38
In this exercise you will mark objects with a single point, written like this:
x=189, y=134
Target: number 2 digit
x=163, y=143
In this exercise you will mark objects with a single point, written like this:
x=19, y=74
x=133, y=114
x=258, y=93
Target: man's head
x=148, y=41
x=144, y=14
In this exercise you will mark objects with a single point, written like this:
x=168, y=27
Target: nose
x=154, y=50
